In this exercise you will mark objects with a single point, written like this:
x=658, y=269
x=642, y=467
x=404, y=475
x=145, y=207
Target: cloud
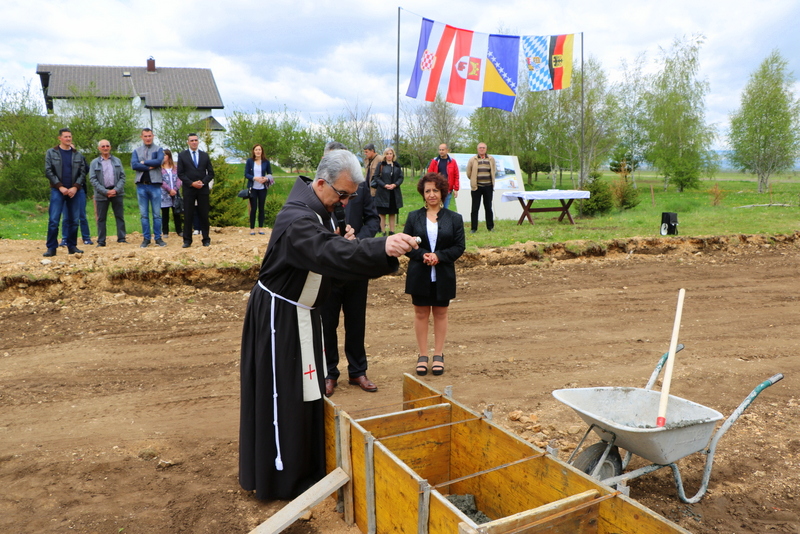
x=317, y=57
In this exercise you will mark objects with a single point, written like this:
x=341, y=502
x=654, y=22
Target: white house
x=150, y=89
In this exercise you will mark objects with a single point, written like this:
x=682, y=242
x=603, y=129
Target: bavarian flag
x=500, y=83
x=549, y=61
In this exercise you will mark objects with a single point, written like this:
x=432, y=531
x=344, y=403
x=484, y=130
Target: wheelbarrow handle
x=771, y=380
x=660, y=366
x=714, y=440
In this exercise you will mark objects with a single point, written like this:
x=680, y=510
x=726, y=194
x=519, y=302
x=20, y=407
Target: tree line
x=655, y=118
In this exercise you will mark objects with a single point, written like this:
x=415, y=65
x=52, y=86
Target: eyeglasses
x=343, y=195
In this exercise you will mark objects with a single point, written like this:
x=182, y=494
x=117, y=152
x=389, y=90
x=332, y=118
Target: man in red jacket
x=447, y=167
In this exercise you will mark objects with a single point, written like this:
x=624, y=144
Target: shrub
x=601, y=200
x=272, y=206
x=624, y=194
x=227, y=209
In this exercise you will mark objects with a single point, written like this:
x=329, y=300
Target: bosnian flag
x=500, y=88
x=469, y=68
x=435, y=39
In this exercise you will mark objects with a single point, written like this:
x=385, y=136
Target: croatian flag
x=434, y=43
x=468, y=70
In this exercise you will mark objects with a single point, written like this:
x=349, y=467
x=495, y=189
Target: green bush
x=272, y=206
x=625, y=195
x=601, y=200
x=227, y=209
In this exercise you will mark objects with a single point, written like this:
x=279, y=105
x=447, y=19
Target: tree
x=26, y=133
x=679, y=139
x=444, y=123
x=417, y=142
x=600, y=118
x=226, y=209
x=632, y=114
x=175, y=124
x=278, y=132
x=765, y=132
x=92, y=118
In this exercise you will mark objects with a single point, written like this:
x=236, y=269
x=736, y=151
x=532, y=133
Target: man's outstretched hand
x=399, y=244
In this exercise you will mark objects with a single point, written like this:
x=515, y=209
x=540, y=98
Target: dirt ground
x=119, y=372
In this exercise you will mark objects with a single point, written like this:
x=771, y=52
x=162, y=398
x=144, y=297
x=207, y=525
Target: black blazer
x=449, y=247
x=188, y=173
x=360, y=213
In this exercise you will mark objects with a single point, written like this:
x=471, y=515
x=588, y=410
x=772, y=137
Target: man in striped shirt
x=481, y=170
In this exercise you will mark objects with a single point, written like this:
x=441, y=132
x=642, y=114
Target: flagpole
x=397, y=108
x=583, y=124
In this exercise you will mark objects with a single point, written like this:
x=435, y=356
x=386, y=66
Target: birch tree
x=765, y=131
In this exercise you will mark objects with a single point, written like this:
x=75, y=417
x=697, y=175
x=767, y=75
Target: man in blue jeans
x=65, y=169
x=146, y=160
x=83, y=224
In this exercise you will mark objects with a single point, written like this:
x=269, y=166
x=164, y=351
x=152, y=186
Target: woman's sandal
x=438, y=364
x=422, y=370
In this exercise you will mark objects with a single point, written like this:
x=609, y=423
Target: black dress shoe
x=364, y=383
x=330, y=385
x=50, y=253
x=206, y=242
x=101, y=243
x=74, y=250
x=186, y=244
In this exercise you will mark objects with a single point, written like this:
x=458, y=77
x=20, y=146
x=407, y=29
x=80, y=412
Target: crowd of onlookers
x=162, y=186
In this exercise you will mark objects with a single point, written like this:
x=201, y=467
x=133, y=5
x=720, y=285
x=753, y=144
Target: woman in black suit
x=431, y=276
x=388, y=198
x=258, y=172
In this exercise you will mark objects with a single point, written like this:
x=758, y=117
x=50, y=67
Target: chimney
x=151, y=64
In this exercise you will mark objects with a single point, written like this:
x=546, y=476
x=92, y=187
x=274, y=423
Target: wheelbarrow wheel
x=587, y=461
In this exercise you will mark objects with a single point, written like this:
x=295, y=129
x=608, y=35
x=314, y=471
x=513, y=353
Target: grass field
x=697, y=212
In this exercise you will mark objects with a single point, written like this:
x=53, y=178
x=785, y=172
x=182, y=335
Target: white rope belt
x=278, y=459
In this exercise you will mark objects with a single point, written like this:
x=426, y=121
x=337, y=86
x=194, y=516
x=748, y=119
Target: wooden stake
x=662, y=407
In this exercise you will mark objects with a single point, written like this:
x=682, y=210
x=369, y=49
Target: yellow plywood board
x=444, y=516
x=426, y=452
x=517, y=521
x=623, y=515
x=358, y=479
x=406, y=421
x=397, y=492
x=330, y=435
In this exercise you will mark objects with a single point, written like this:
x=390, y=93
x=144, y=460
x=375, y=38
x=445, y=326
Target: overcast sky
x=317, y=57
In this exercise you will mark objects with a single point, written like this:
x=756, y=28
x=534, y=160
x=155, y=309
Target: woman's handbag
x=244, y=193
x=177, y=204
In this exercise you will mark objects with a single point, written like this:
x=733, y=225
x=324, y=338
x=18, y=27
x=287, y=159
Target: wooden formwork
x=403, y=464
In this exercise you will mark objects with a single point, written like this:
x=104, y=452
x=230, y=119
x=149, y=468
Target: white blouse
x=433, y=233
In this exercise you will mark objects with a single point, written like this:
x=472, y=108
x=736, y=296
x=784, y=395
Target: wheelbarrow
x=626, y=418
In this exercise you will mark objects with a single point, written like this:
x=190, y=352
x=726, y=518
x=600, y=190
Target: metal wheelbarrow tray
x=630, y=413
x=626, y=417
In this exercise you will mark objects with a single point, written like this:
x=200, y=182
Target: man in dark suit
x=350, y=298
x=195, y=171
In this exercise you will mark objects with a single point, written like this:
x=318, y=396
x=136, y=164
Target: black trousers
x=190, y=195
x=102, y=215
x=257, y=204
x=351, y=299
x=485, y=192
x=177, y=218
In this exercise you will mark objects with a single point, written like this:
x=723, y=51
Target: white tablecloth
x=550, y=194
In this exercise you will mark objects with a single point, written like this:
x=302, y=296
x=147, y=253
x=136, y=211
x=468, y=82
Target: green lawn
x=696, y=213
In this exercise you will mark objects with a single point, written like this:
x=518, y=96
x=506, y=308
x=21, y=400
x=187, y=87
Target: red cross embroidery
x=310, y=372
